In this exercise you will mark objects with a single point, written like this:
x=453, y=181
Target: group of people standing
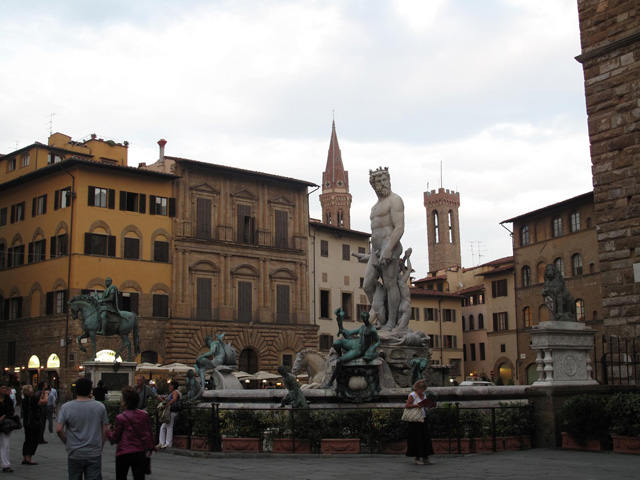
x=37, y=406
x=83, y=426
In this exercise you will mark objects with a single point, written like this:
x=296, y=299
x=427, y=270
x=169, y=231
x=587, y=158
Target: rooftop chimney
x=162, y=142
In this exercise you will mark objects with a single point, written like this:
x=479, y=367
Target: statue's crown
x=379, y=171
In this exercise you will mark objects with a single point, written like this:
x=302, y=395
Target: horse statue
x=88, y=307
x=314, y=363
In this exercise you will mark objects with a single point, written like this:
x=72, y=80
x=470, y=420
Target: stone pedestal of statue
x=359, y=381
x=398, y=357
x=563, y=353
x=115, y=375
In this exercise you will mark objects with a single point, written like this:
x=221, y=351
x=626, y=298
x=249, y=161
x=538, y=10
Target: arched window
x=464, y=323
x=436, y=227
x=149, y=356
x=472, y=325
x=580, y=310
x=526, y=276
x=528, y=317
x=559, y=263
x=575, y=221
x=576, y=264
x=480, y=321
x=525, y=238
x=248, y=361
x=450, y=220
x=557, y=226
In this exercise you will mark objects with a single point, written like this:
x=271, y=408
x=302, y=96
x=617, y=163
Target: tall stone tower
x=443, y=229
x=610, y=58
x=335, y=198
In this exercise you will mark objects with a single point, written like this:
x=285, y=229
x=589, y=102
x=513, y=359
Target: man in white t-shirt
x=82, y=426
x=51, y=407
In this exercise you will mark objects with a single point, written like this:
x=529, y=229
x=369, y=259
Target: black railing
x=374, y=427
x=617, y=361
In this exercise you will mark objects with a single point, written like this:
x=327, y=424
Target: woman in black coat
x=31, y=420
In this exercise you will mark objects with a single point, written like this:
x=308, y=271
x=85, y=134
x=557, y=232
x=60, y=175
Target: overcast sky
x=488, y=89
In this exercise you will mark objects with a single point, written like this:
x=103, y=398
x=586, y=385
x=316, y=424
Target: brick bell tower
x=335, y=198
x=443, y=229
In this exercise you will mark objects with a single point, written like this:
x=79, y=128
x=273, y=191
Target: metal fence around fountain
x=617, y=360
x=455, y=429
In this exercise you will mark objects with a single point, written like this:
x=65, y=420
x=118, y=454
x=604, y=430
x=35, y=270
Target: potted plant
x=241, y=430
x=341, y=431
x=624, y=411
x=514, y=424
x=585, y=423
x=201, y=429
x=389, y=434
x=476, y=425
x=291, y=431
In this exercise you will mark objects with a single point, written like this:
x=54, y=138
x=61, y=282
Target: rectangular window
x=450, y=341
x=17, y=212
x=15, y=256
x=283, y=305
x=13, y=308
x=131, y=248
x=448, y=315
x=500, y=322
x=346, y=252
x=324, y=248
x=53, y=158
x=361, y=250
x=246, y=225
x=133, y=202
x=472, y=351
x=431, y=314
x=39, y=205
x=3, y=216
x=58, y=246
x=503, y=348
x=203, y=301
x=160, y=306
x=557, y=226
x=282, y=229
x=129, y=301
x=37, y=251
x=575, y=221
x=415, y=313
x=325, y=305
x=203, y=218
x=499, y=288
x=326, y=342
x=158, y=205
x=56, y=302
x=25, y=160
x=62, y=198
x=11, y=165
x=361, y=307
x=347, y=305
x=160, y=251
x=102, y=197
x=482, y=352
x=287, y=361
x=11, y=353
x=245, y=301
x=97, y=244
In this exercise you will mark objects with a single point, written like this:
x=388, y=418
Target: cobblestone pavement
x=167, y=465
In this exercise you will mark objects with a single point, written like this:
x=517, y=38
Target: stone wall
x=610, y=38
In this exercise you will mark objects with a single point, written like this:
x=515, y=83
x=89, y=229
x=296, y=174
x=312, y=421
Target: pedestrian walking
x=82, y=426
x=52, y=402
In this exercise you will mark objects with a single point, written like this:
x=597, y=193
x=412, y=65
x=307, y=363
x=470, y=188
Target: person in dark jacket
x=134, y=436
x=31, y=407
x=43, y=390
x=100, y=392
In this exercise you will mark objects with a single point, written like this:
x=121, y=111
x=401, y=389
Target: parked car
x=476, y=383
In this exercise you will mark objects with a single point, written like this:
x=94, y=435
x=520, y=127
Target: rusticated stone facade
x=610, y=38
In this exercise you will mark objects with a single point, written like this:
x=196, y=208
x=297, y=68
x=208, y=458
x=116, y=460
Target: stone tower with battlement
x=443, y=229
x=335, y=198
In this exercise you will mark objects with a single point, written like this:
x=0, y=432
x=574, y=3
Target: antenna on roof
x=50, y=122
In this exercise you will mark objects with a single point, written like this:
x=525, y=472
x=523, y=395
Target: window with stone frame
x=283, y=304
x=282, y=228
x=580, y=309
x=576, y=264
x=527, y=317
x=557, y=226
x=245, y=301
x=526, y=276
x=575, y=221
x=324, y=248
x=246, y=225
x=160, y=305
x=525, y=236
x=559, y=263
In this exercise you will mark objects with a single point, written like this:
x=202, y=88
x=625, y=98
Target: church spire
x=335, y=198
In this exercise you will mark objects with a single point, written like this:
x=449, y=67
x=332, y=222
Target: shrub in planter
x=284, y=426
x=584, y=418
x=241, y=423
x=623, y=410
x=514, y=422
x=389, y=432
x=344, y=425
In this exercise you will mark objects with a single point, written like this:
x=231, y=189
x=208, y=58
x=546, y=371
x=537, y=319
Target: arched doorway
x=532, y=373
x=248, y=361
x=505, y=372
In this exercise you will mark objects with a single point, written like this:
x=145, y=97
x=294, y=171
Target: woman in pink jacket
x=134, y=437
